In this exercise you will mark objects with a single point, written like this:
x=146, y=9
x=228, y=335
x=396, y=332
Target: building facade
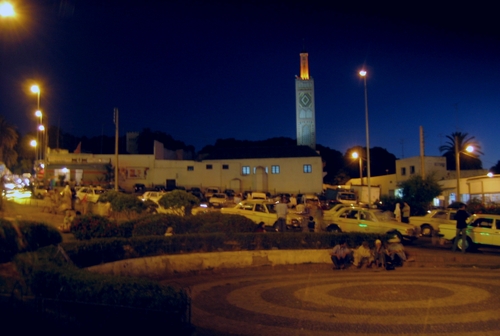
x=274, y=170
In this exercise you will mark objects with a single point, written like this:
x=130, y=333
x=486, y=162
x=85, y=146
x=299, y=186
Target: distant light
x=490, y=174
x=7, y=10
x=41, y=128
x=38, y=113
x=33, y=143
x=65, y=170
x=355, y=155
x=35, y=89
x=469, y=149
x=362, y=73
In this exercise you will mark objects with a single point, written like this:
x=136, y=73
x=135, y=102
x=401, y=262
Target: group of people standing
x=402, y=215
x=381, y=255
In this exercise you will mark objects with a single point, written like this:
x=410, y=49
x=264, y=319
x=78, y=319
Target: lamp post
x=468, y=149
x=363, y=74
x=355, y=155
x=33, y=144
x=38, y=113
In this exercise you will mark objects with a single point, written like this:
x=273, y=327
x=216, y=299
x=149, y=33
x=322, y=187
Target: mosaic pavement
x=311, y=301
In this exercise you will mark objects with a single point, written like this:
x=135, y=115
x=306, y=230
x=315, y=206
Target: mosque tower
x=304, y=104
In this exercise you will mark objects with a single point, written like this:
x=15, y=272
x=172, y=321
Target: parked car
x=357, y=219
x=40, y=192
x=218, y=200
x=90, y=194
x=229, y=192
x=429, y=224
x=139, y=188
x=156, y=208
x=210, y=191
x=262, y=211
x=151, y=195
x=482, y=230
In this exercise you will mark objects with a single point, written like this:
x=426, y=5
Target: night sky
x=204, y=70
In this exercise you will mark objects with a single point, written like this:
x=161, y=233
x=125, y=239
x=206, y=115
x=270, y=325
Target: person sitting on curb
x=363, y=255
x=396, y=252
x=341, y=255
x=379, y=254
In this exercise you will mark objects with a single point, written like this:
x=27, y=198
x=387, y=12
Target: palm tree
x=8, y=139
x=467, y=160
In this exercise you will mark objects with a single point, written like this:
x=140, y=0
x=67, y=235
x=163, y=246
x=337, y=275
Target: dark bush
x=218, y=222
x=93, y=226
x=156, y=225
x=9, y=241
x=125, y=229
x=37, y=235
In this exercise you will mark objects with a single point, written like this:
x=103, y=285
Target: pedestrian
x=396, y=252
x=397, y=212
x=461, y=218
x=293, y=201
x=363, y=255
x=317, y=213
x=379, y=254
x=341, y=255
x=311, y=224
x=405, y=213
x=281, y=212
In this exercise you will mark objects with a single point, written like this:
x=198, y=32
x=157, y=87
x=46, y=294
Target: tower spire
x=304, y=65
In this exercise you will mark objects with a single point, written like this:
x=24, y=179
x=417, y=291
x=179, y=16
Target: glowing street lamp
x=33, y=144
x=7, y=9
x=355, y=155
x=468, y=149
x=363, y=74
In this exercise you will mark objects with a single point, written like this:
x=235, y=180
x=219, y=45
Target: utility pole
x=116, y=147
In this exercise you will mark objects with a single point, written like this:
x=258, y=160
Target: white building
x=282, y=169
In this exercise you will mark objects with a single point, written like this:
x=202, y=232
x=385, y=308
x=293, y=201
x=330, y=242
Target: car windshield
x=99, y=191
x=219, y=195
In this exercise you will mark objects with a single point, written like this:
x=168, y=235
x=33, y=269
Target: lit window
x=307, y=168
x=209, y=166
x=245, y=170
x=275, y=169
x=190, y=168
x=225, y=166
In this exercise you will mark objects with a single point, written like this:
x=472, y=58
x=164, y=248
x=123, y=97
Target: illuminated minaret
x=304, y=103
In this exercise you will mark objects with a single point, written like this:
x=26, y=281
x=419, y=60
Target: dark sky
x=203, y=70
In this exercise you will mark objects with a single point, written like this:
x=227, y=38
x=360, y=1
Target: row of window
x=245, y=170
x=403, y=170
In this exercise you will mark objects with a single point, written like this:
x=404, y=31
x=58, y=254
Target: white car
x=219, y=200
x=429, y=223
x=482, y=229
x=152, y=195
x=356, y=219
x=90, y=194
x=262, y=211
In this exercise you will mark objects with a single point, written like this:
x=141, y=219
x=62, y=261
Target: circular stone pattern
x=390, y=292
x=441, y=302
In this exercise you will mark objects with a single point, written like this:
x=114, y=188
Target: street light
x=36, y=89
x=469, y=149
x=33, y=144
x=363, y=74
x=355, y=155
x=7, y=10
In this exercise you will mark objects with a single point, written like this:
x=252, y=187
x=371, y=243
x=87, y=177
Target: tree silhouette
x=8, y=140
x=468, y=161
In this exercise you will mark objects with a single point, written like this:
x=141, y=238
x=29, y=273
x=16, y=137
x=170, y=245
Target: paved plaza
x=315, y=300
